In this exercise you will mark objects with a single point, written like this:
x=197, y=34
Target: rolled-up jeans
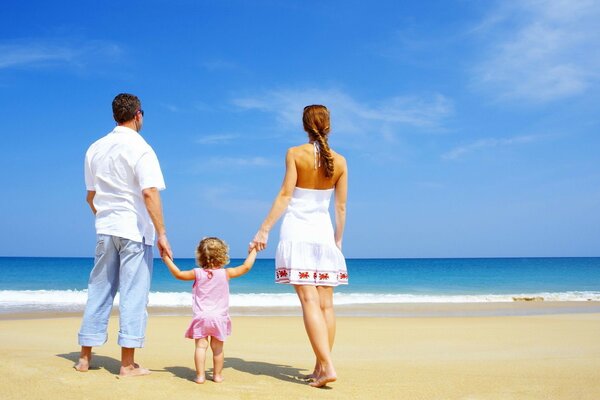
x=123, y=265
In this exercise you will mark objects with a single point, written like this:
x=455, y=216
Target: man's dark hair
x=125, y=106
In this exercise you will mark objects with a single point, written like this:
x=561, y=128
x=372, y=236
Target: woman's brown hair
x=316, y=123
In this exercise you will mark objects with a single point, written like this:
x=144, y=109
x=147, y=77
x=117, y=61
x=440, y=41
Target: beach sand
x=555, y=356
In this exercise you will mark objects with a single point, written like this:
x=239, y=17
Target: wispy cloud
x=217, y=139
x=219, y=65
x=47, y=53
x=487, y=143
x=232, y=200
x=539, y=50
x=189, y=108
x=171, y=107
x=349, y=115
x=230, y=164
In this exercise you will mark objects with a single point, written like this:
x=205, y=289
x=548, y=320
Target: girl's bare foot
x=217, y=378
x=200, y=379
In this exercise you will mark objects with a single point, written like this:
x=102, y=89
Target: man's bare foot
x=200, y=379
x=83, y=365
x=85, y=357
x=217, y=378
x=133, y=370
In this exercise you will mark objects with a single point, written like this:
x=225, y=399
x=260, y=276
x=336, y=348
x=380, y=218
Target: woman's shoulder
x=300, y=148
x=338, y=158
x=301, y=151
x=337, y=155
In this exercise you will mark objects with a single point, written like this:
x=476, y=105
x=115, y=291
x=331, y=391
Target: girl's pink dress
x=210, y=296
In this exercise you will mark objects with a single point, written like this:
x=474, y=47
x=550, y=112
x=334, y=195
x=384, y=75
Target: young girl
x=210, y=301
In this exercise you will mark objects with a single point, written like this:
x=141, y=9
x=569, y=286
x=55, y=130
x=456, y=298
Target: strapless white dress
x=306, y=253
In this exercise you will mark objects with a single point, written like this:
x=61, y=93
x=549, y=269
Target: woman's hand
x=338, y=243
x=260, y=240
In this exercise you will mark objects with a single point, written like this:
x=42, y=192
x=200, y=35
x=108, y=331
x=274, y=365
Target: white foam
x=11, y=300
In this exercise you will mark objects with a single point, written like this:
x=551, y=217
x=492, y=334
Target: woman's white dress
x=306, y=253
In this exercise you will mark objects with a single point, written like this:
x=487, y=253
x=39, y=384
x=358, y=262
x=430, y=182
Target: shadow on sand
x=284, y=373
x=98, y=362
x=281, y=372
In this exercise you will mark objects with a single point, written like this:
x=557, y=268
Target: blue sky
x=471, y=128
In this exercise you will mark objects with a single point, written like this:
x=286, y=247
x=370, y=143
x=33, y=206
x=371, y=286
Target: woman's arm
x=279, y=205
x=244, y=268
x=189, y=275
x=341, y=195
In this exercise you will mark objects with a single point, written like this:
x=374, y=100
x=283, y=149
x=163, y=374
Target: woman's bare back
x=310, y=177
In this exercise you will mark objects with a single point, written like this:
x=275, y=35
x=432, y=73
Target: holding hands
x=259, y=243
x=164, y=247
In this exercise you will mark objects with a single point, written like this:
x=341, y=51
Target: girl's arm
x=341, y=195
x=280, y=204
x=181, y=275
x=244, y=268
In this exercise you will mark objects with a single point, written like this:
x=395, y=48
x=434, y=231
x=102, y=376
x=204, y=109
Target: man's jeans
x=127, y=266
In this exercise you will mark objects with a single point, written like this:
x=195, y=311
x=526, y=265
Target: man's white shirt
x=118, y=167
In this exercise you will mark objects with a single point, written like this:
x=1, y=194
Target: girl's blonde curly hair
x=212, y=252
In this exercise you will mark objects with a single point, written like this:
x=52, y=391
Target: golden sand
x=501, y=357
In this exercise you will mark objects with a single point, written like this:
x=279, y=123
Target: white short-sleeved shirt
x=118, y=167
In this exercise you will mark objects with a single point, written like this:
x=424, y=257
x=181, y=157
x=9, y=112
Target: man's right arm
x=154, y=207
x=90, y=200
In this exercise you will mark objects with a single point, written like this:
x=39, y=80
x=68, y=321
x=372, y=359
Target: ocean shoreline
x=403, y=310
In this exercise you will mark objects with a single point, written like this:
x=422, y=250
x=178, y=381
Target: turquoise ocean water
x=59, y=284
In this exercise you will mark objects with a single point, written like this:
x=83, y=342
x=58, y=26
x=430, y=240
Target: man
x=123, y=180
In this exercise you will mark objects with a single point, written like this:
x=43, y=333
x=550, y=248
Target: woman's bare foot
x=327, y=375
x=217, y=378
x=200, y=379
x=323, y=380
x=133, y=370
x=316, y=372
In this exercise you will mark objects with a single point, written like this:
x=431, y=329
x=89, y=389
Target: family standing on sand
x=123, y=180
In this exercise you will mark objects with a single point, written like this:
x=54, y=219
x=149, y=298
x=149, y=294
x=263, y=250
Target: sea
x=30, y=284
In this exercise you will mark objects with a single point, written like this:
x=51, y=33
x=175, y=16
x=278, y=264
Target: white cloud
x=232, y=200
x=539, y=50
x=349, y=115
x=216, y=139
x=172, y=108
x=230, y=163
x=219, y=65
x=487, y=143
x=38, y=53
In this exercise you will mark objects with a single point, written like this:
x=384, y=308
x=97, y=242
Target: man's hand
x=164, y=247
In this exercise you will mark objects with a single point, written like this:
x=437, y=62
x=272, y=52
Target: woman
x=309, y=252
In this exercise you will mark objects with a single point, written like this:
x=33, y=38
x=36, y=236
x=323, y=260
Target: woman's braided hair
x=316, y=123
x=212, y=252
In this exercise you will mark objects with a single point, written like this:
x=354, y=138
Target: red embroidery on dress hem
x=281, y=273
